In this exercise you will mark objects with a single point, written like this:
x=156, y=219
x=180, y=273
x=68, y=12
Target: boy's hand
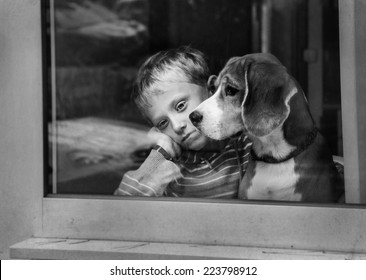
x=165, y=142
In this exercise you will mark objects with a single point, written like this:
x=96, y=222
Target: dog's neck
x=281, y=151
x=289, y=139
x=272, y=145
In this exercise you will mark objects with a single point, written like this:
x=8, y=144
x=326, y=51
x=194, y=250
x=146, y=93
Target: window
x=96, y=47
x=321, y=227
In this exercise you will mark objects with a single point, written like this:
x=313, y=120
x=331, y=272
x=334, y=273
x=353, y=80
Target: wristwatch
x=165, y=154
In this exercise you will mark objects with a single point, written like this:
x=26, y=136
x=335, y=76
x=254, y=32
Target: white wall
x=20, y=121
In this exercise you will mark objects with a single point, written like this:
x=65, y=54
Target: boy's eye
x=162, y=124
x=181, y=106
x=230, y=91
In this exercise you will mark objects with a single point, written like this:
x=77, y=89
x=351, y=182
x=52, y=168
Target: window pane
x=96, y=47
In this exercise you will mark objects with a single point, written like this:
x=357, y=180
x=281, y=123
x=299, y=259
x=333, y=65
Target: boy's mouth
x=185, y=137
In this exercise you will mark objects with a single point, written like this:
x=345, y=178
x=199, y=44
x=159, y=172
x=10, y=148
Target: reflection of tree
x=99, y=45
x=75, y=15
x=93, y=154
x=110, y=4
x=122, y=9
x=88, y=32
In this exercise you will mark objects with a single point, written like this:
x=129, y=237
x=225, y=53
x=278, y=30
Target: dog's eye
x=230, y=91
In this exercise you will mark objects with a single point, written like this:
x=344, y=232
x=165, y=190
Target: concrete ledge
x=52, y=248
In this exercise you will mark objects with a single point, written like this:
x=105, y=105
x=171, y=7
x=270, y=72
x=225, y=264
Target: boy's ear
x=211, y=84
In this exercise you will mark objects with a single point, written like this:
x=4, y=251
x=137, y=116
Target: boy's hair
x=183, y=64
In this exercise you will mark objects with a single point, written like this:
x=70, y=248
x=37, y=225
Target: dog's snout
x=195, y=117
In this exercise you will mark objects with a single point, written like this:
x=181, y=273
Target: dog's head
x=252, y=93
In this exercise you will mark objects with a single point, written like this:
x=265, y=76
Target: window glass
x=95, y=47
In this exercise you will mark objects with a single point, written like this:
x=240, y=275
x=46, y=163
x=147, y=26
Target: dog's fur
x=290, y=160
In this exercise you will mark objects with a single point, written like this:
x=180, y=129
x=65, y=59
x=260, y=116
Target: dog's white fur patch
x=274, y=182
x=292, y=92
x=245, y=95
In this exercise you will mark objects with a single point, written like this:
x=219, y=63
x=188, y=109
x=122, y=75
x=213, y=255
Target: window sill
x=55, y=248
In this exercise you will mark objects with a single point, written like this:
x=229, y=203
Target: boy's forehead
x=169, y=79
x=171, y=87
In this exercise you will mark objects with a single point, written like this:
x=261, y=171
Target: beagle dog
x=289, y=158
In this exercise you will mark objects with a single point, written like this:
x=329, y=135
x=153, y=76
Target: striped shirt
x=209, y=174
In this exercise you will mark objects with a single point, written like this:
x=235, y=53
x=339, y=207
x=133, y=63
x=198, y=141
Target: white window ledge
x=53, y=248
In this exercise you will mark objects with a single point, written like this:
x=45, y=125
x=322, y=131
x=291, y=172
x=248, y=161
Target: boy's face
x=170, y=113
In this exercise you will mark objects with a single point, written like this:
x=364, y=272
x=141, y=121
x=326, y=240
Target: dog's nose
x=195, y=117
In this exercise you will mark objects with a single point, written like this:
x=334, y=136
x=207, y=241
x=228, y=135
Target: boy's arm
x=152, y=177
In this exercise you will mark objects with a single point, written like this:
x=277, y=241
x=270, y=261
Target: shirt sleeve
x=151, y=179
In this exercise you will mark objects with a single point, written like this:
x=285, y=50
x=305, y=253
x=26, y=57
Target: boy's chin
x=197, y=144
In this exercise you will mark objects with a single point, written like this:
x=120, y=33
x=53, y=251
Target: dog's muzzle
x=195, y=117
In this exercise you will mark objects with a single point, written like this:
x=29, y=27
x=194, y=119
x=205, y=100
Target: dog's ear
x=211, y=84
x=263, y=106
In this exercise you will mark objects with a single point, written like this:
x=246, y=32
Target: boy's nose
x=178, y=126
x=195, y=117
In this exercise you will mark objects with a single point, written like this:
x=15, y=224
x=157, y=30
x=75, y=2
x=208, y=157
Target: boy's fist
x=164, y=141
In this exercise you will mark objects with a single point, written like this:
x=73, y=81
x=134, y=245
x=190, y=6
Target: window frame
x=239, y=223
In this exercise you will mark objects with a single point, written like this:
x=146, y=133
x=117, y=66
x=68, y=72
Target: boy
x=184, y=162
